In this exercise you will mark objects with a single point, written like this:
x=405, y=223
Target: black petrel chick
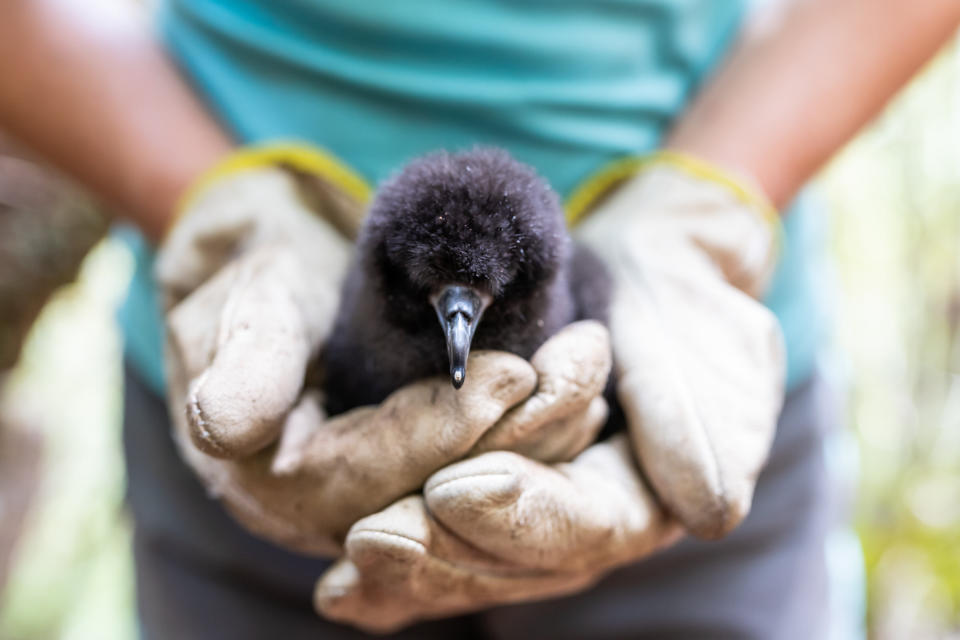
x=459, y=250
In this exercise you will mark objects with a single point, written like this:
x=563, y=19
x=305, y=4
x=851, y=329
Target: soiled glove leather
x=251, y=275
x=700, y=362
x=700, y=367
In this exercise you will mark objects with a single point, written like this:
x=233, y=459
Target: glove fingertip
x=506, y=378
x=716, y=520
x=476, y=493
x=335, y=586
x=222, y=426
x=202, y=433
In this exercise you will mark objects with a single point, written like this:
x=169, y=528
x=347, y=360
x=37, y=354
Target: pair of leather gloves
x=438, y=501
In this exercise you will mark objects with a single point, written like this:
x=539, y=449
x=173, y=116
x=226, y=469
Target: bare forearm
x=803, y=81
x=89, y=88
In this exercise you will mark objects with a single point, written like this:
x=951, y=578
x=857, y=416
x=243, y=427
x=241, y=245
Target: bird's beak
x=459, y=309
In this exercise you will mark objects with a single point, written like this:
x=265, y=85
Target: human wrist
x=160, y=189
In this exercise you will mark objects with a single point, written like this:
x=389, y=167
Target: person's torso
x=564, y=86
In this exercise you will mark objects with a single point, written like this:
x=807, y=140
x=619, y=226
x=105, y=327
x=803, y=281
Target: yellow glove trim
x=591, y=190
x=299, y=156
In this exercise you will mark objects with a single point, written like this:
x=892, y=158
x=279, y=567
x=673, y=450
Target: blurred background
x=895, y=240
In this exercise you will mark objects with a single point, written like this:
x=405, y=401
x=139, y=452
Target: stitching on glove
x=195, y=416
x=386, y=536
x=486, y=474
x=520, y=570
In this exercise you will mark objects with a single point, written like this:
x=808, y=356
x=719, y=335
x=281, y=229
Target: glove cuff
x=598, y=185
x=300, y=157
x=716, y=215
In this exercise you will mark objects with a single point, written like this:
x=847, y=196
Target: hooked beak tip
x=459, y=309
x=457, y=376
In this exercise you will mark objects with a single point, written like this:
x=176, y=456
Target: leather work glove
x=700, y=366
x=700, y=363
x=498, y=528
x=251, y=274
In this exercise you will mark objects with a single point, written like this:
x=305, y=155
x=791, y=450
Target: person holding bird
x=243, y=139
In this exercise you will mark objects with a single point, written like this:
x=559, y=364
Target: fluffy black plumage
x=477, y=223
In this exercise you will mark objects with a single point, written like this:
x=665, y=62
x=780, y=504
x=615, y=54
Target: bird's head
x=462, y=232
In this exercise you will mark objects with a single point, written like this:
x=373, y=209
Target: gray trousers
x=199, y=576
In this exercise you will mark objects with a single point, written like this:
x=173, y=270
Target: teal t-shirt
x=566, y=86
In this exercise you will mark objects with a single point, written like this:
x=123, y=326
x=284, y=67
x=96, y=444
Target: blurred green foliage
x=895, y=193
x=73, y=576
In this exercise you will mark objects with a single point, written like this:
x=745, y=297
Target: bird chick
x=459, y=251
